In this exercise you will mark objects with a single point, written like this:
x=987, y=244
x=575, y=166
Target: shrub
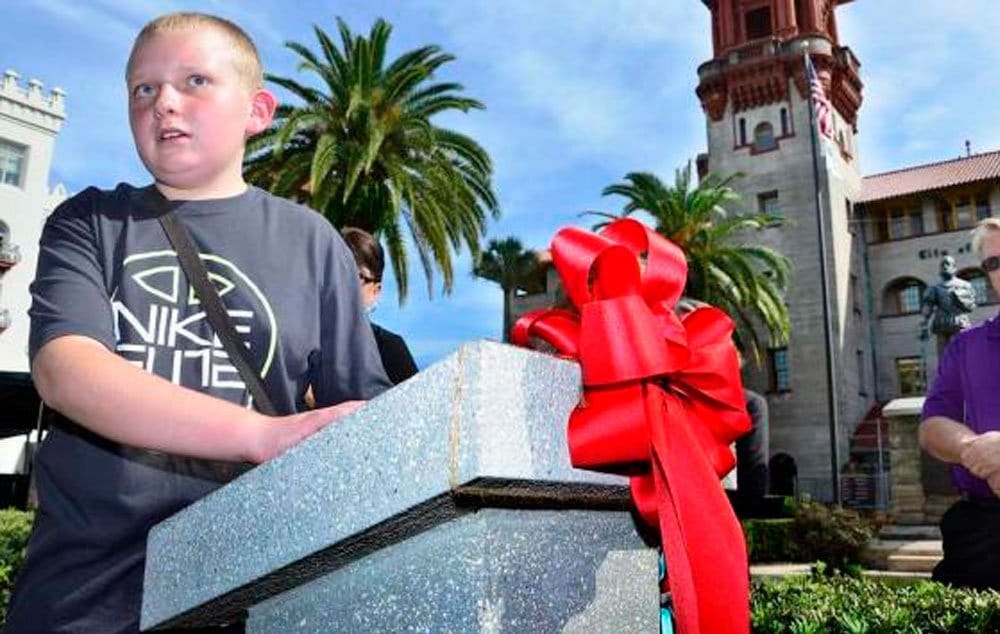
x=831, y=535
x=850, y=605
x=770, y=540
x=15, y=527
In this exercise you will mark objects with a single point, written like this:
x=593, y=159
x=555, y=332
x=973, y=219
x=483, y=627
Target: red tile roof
x=921, y=178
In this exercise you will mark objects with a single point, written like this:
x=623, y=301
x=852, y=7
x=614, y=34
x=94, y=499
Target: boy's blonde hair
x=986, y=225
x=246, y=59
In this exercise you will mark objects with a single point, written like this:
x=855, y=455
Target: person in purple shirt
x=961, y=426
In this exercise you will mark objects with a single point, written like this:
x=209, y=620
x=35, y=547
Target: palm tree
x=747, y=281
x=510, y=265
x=362, y=150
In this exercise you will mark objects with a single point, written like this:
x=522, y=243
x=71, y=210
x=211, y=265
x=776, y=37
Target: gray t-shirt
x=107, y=271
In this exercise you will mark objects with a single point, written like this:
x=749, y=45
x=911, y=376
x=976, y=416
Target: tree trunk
x=508, y=316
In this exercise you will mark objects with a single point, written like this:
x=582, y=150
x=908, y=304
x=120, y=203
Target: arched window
x=984, y=290
x=784, y=474
x=902, y=296
x=763, y=137
x=784, y=122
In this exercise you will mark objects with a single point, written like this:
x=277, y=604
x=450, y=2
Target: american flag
x=821, y=105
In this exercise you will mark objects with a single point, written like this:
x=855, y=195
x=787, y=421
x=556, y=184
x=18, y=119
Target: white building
x=29, y=123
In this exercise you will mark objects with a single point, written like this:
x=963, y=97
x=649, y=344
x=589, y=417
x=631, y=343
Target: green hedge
x=843, y=604
x=770, y=540
x=15, y=526
x=817, y=532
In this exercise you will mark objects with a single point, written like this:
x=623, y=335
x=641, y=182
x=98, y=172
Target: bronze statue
x=947, y=304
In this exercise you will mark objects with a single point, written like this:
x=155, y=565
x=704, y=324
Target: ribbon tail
x=703, y=543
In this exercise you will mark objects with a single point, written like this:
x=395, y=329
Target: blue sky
x=577, y=95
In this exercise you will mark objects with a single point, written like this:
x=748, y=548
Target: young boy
x=154, y=415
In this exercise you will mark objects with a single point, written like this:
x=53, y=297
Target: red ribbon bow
x=663, y=401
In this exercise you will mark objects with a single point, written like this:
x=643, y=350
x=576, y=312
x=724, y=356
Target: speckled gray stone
x=484, y=427
x=496, y=570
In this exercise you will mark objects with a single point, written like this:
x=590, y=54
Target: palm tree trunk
x=508, y=314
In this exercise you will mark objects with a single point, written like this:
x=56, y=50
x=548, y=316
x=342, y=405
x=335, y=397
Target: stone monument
x=946, y=305
x=445, y=504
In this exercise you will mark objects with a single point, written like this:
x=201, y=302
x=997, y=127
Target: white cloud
x=925, y=66
x=96, y=22
x=583, y=79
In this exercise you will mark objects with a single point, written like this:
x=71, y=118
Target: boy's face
x=191, y=112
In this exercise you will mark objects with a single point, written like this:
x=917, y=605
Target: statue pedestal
x=446, y=504
x=920, y=485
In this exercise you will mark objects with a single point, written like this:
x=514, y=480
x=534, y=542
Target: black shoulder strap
x=196, y=274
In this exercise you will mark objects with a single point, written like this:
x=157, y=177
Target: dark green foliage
x=15, y=527
x=361, y=146
x=851, y=605
x=832, y=535
x=747, y=281
x=770, y=540
x=510, y=265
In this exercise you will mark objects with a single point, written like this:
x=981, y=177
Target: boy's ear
x=262, y=107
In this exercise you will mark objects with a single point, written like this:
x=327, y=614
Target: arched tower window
x=902, y=296
x=763, y=137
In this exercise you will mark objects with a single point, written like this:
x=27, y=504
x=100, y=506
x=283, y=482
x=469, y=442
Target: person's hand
x=994, y=482
x=277, y=434
x=981, y=454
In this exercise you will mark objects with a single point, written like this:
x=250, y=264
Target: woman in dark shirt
x=396, y=357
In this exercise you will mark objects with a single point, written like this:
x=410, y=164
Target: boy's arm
x=348, y=365
x=86, y=382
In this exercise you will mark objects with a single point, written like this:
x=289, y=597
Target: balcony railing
x=5, y=319
x=771, y=46
x=10, y=255
x=761, y=47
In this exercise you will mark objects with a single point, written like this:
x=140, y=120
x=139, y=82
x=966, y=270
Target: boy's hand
x=86, y=382
x=277, y=434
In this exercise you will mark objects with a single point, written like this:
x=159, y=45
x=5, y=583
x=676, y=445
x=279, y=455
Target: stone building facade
x=911, y=219
x=30, y=119
x=885, y=234
x=755, y=95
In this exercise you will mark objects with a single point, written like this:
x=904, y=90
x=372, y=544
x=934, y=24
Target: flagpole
x=831, y=375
